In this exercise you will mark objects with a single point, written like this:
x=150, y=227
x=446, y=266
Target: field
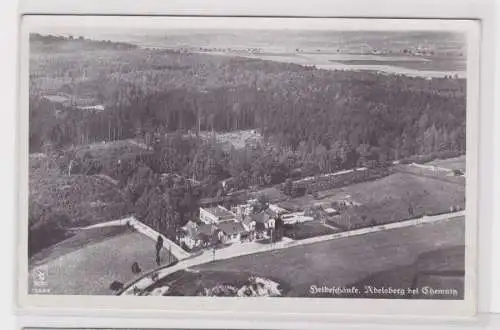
x=437, y=269
x=318, y=48
x=307, y=230
x=272, y=193
x=237, y=139
x=77, y=239
x=388, y=199
x=457, y=163
x=90, y=261
x=344, y=262
x=427, y=170
x=325, y=198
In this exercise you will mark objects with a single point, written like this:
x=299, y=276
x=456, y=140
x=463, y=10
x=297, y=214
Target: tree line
x=312, y=121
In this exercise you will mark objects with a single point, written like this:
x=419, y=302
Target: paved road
x=237, y=250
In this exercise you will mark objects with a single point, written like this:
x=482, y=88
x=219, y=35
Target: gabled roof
x=191, y=229
x=276, y=209
x=220, y=212
x=231, y=227
x=271, y=213
x=203, y=237
x=261, y=217
x=247, y=220
x=189, y=225
x=205, y=229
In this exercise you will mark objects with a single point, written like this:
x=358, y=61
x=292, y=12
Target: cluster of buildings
x=245, y=222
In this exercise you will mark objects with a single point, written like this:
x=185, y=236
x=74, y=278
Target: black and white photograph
x=197, y=157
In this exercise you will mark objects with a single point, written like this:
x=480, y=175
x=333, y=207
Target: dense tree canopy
x=312, y=121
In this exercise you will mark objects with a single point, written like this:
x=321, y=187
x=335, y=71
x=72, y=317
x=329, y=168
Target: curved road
x=141, y=284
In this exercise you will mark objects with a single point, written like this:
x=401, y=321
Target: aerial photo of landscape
x=276, y=163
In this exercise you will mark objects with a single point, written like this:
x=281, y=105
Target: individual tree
x=288, y=187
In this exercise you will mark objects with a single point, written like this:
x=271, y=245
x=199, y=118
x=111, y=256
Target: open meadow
x=388, y=199
x=443, y=268
x=457, y=163
x=88, y=262
x=341, y=262
x=308, y=229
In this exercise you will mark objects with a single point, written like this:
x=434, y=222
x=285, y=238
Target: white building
x=331, y=211
x=296, y=217
x=277, y=210
x=217, y=214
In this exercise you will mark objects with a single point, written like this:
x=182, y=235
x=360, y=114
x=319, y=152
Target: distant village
x=363, y=49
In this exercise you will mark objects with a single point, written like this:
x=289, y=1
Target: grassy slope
x=451, y=163
x=79, y=240
x=89, y=262
x=387, y=199
x=345, y=261
x=307, y=230
x=440, y=269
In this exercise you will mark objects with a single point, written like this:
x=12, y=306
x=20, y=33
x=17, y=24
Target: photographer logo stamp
x=40, y=280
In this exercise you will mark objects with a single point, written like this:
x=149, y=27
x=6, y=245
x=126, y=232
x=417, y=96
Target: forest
x=312, y=121
x=149, y=91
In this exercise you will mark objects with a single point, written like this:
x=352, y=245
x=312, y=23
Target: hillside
x=58, y=202
x=53, y=43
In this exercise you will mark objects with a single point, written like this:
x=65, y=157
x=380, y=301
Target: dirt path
x=139, y=144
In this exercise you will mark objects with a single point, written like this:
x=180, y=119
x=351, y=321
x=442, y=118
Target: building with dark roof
x=265, y=217
x=232, y=231
x=197, y=235
x=206, y=229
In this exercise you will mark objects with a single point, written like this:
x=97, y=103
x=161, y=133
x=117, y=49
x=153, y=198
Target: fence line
x=393, y=225
x=175, y=249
